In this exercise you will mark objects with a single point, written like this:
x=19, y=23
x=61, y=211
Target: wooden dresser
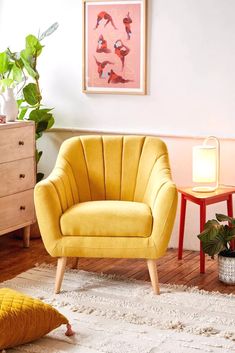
x=17, y=177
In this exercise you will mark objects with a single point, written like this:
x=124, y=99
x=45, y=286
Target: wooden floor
x=14, y=259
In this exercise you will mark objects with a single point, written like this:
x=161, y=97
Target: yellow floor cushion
x=24, y=319
x=107, y=218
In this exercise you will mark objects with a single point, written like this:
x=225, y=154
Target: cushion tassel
x=69, y=331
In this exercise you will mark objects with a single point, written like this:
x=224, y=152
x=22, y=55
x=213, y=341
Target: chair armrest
x=164, y=210
x=161, y=196
x=52, y=197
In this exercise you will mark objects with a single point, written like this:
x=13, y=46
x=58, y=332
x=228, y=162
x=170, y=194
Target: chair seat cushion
x=107, y=218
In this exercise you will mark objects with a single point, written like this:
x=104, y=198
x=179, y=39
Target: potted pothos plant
x=19, y=70
x=217, y=238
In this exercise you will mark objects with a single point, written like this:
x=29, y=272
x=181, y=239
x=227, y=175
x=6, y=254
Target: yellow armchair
x=108, y=196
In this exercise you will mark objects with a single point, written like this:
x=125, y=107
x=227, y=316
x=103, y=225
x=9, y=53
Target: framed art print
x=114, y=53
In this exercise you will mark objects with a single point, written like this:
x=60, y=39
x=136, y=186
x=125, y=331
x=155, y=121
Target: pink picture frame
x=114, y=49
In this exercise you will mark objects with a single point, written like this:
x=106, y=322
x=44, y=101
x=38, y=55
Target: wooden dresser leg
x=75, y=263
x=152, y=267
x=61, y=264
x=26, y=236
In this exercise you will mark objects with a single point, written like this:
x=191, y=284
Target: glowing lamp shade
x=206, y=166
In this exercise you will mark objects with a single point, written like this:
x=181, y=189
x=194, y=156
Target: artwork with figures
x=114, y=46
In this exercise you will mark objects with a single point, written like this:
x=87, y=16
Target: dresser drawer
x=16, y=209
x=17, y=176
x=17, y=143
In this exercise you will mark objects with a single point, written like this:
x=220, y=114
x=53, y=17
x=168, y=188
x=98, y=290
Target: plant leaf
x=43, y=119
x=232, y=231
x=49, y=31
x=16, y=73
x=216, y=237
x=39, y=177
x=19, y=62
x=39, y=115
x=38, y=155
x=29, y=62
x=19, y=102
x=23, y=111
x=214, y=246
x=13, y=56
x=4, y=61
x=7, y=82
x=51, y=122
x=223, y=218
x=41, y=126
x=211, y=229
x=31, y=94
x=33, y=44
x=38, y=135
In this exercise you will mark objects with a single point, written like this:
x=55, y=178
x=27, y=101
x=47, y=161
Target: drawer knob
x=22, y=208
x=21, y=143
x=22, y=176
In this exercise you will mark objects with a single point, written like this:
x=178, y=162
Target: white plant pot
x=226, y=269
x=8, y=105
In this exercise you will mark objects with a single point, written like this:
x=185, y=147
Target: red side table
x=202, y=199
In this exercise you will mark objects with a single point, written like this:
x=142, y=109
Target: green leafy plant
x=11, y=70
x=216, y=237
x=20, y=70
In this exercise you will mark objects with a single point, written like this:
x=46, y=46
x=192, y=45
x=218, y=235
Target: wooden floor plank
x=16, y=259
x=184, y=268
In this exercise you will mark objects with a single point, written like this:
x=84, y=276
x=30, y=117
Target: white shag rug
x=115, y=315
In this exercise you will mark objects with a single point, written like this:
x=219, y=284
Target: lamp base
x=204, y=188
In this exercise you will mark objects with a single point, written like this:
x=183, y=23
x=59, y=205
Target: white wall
x=191, y=78
x=191, y=67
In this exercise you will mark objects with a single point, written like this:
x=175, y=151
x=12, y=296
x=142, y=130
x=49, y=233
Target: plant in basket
x=217, y=239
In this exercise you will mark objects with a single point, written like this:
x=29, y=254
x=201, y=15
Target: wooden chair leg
x=61, y=264
x=152, y=267
x=75, y=263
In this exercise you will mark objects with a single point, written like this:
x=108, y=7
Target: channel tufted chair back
x=126, y=177
x=112, y=168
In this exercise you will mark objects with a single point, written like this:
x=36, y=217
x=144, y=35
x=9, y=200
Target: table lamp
x=206, y=165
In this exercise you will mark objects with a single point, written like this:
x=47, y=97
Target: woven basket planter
x=226, y=269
